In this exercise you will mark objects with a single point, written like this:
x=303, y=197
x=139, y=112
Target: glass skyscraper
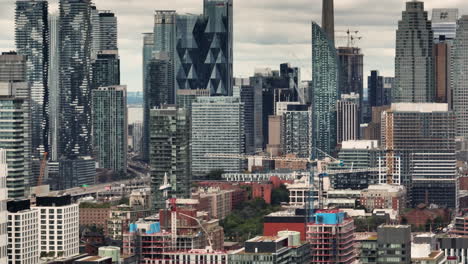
x=53, y=84
x=110, y=127
x=32, y=41
x=325, y=79
x=459, y=80
x=106, y=69
x=414, y=61
x=75, y=71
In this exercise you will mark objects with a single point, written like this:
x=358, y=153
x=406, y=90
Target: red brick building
x=94, y=215
x=262, y=191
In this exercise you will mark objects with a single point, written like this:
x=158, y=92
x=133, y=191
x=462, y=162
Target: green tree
x=280, y=195
x=214, y=175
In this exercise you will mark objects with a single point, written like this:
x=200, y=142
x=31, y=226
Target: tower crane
x=322, y=170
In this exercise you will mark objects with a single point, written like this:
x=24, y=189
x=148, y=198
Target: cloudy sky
x=266, y=32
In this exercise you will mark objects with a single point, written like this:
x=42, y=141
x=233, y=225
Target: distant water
x=135, y=114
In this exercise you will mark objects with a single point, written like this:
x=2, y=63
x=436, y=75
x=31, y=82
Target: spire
x=328, y=19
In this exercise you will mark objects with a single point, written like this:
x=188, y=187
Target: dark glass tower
x=75, y=71
x=32, y=41
x=106, y=69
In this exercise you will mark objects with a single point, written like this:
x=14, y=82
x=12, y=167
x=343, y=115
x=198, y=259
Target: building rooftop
x=419, y=107
x=266, y=239
x=386, y=187
x=359, y=144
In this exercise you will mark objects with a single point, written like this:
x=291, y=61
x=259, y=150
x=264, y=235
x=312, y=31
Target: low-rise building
x=384, y=196
x=220, y=201
x=120, y=218
x=197, y=256
x=95, y=215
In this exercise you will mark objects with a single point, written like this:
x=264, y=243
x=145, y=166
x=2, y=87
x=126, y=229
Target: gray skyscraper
x=217, y=127
x=75, y=83
x=106, y=69
x=170, y=153
x=148, y=46
x=414, y=61
x=54, y=90
x=32, y=41
x=108, y=30
x=325, y=78
x=328, y=19
x=351, y=70
x=347, y=125
x=458, y=77
x=219, y=37
x=110, y=127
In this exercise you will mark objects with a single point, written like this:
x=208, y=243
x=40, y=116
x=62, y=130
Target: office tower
x=191, y=73
x=53, y=85
x=32, y=41
x=73, y=173
x=219, y=36
x=375, y=84
x=3, y=207
x=325, y=92
x=165, y=32
x=328, y=20
x=460, y=66
x=148, y=46
x=276, y=86
x=351, y=71
x=106, y=69
x=169, y=153
x=61, y=226
x=394, y=244
x=23, y=223
x=110, y=128
x=419, y=141
x=414, y=61
x=296, y=131
x=108, y=31
x=75, y=83
x=251, y=96
x=185, y=98
x=388, y=84
x=331, y=237
x=348, y=114
x=15, y=106
x=444, y=26
x=218, y=128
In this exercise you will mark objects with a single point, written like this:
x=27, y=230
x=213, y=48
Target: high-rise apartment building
x=75, y=79
x=444, y=26
x=331, y=237
x=23, y=232
x=58, y=226
x=110, y=127
x=106, y=69
x=218, y=128
x=351, y=71
x=169, y=153
x=148, y=46
x=325, y=91
x=108, y=30
x=15, y=106
x=414, y=61
x=32, y=41
x=460, y=66
x=53, y=85
x=348, y=115
x=419, y=141
x=3, y=207
x=296, y=131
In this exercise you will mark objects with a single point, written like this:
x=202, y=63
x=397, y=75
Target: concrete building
x=455, y=248
x=274, y=135
x=121, y=217
x=58, y=227
x=197, y=256
x=414, y=61
x=348, y=117
x=459, y=65
x=110, y=128
x=331, y=237
x=280, y=249
x=220, y=201
x=169, y=153
x=94, y=215
x=53, y=84
x=296, y=131
x=384, y=197
x=23, y=232
x=218, y=128
x=419, y=140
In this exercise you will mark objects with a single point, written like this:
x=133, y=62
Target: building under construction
x=331, y=236
x=419, y=142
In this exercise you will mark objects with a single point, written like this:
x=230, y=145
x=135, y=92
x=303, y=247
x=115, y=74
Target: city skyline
x=254, y=46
